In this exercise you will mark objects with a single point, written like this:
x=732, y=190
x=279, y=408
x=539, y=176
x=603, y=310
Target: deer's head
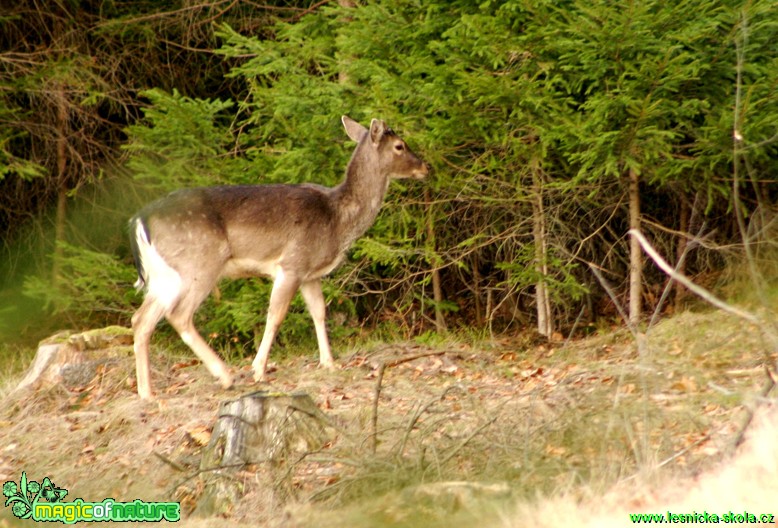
x=393, y=155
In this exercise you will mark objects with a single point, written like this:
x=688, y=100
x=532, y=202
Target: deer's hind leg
x=144, y=321
x=181, y=318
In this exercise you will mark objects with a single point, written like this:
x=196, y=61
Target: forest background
x=553, y=127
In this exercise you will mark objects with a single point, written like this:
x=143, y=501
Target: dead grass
x=577, y=422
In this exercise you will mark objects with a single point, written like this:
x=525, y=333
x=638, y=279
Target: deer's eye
x=399, y=147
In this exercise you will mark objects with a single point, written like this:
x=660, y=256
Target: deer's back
x=250, y=230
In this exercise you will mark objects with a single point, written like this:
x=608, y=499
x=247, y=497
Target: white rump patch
x=163, y=283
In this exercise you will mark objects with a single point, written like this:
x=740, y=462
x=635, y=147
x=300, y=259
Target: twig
x=175, y=465
x=672, y=457
x=685, y=450
x=683, y=279
x=199, y=472
x=575, y=325
x=415, y=418
x=472, y=435
x=766, y=388
x=311, y=9
x=377, y=390
x=217, y=15
x=163, y=14
x=670, y=283
x=609, y=290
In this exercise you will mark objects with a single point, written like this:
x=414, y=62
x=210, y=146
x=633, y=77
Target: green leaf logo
x=22, y=498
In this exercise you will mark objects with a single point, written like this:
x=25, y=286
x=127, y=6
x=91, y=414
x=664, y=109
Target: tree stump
x=263, y=429
x=73, y=359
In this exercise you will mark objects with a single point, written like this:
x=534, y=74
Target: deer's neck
x=358, y=198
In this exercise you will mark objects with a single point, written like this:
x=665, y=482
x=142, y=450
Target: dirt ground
x=470, y=430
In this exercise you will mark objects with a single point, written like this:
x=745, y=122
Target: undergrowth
x=575, y=419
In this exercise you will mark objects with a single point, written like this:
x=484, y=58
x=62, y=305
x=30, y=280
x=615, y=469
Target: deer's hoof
x=226, y=381
x=259, y=375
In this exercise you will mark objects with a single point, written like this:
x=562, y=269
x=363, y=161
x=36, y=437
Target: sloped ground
x=464, y=433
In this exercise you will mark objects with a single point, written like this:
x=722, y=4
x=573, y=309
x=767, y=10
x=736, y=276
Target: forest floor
x=465, y=432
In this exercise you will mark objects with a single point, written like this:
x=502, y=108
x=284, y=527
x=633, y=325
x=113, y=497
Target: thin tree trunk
x=61, y=215
x=542, y=299
x=635, y=253
x=437, y=295
x=437, y=290
x=679, y=252
x=479, y=315
x=343, y=76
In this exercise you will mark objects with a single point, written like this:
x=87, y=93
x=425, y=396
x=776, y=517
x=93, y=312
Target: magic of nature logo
x=44, y=501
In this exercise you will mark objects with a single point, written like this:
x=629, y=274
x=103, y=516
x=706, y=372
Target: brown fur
x=295, y=234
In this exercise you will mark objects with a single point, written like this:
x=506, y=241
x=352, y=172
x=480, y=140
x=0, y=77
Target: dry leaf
x=685, y=384
x=184, y=364
x=200, y=434
x=555, y=450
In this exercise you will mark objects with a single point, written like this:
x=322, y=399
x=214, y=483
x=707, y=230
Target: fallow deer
x=294, y=234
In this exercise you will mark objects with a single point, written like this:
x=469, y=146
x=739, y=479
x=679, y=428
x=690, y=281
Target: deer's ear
x=354, y=130
x=377, y=129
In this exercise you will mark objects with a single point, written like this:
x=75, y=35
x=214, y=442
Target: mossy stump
x=74, y=359
x=256, y=435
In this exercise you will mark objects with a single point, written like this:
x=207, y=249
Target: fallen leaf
x=685, y=384
x=184, y=364
x=200, y=434
x=555, y=450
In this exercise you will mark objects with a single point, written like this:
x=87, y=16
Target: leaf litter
x=537, y=418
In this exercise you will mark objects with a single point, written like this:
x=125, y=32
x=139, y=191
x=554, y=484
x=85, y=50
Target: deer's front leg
x=284, y=288
x=314, y=300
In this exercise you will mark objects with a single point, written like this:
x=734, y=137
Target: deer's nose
x=422, y=172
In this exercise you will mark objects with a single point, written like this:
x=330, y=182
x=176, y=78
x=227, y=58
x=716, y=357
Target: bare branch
x=379, y=380
x=699, y=290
